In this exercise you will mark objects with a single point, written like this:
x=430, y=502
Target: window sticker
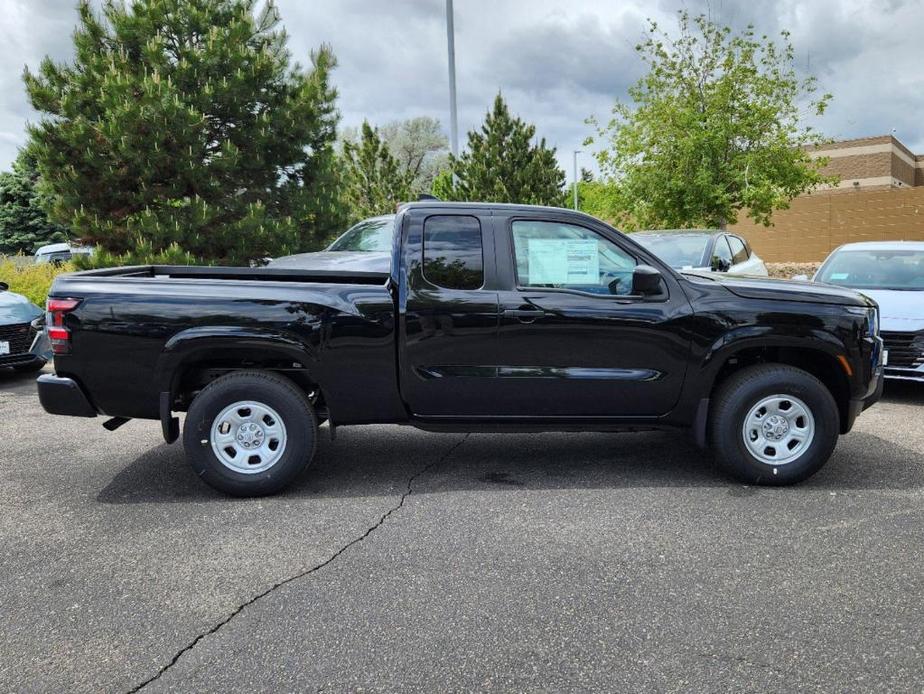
x=564, y=261
x=839, y=275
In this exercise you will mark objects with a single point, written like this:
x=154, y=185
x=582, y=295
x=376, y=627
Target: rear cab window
x=453, y=252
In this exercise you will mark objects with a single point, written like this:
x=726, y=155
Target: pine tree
x=501, y=164
x=24, y=224
x=184, y=122
x=373, y=180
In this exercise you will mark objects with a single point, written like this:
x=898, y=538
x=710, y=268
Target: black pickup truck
x=482, y=317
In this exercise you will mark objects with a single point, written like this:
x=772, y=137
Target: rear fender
x=222, y=343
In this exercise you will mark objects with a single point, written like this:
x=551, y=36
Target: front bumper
x=36, y=351
x=898, y=374
x=60, y=395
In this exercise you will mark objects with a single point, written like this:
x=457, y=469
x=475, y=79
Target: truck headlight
x=871, y=316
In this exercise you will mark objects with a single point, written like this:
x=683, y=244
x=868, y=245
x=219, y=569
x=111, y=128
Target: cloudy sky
x=556, y=61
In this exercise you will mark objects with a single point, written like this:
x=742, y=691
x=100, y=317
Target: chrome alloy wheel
x=248, y=437
x=778, y=429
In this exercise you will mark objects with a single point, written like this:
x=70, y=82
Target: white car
x=703, y=250
x=892, y=274
x=60, y=252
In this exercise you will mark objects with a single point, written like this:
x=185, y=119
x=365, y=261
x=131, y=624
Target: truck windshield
x=677, y=250
x=872, y=269
x=369, y=235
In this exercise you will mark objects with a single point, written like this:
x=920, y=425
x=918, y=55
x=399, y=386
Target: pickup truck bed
x=491, y=318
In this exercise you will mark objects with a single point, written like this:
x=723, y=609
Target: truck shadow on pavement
x=378, y=461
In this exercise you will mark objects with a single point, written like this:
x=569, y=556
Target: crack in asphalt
x=355, y=541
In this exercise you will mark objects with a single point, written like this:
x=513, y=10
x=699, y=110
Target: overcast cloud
x=556, y=61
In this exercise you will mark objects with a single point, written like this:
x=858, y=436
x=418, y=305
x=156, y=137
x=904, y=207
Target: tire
x=236, y=454
x=773, y=406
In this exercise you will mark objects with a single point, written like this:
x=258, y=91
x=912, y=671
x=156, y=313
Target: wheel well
x=820, y=364
x=192, y=377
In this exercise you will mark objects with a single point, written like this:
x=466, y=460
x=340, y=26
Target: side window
x=721, y=255
x=453, y=256
x=564, y=256
x=739, y=252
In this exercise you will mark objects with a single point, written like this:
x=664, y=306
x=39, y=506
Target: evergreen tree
x=501, y=164
x=184, y=122
x=24, y=225
x=374, y=182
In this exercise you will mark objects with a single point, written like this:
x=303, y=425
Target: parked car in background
x=704, y=250
x=23, y=343
x=892, y=274
x=60, y=252
x=365, y=246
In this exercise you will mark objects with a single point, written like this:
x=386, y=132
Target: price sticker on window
x=564, y=261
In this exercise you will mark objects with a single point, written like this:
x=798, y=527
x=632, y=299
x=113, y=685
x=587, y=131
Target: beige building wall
x=816, y=224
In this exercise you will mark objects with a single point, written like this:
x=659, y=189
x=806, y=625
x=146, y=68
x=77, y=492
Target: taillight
x=58, y=335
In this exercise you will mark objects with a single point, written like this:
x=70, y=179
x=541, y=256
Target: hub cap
x=248, y=437
x=778, y=429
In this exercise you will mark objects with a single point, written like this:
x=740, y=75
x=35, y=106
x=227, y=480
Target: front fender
x=755, y=336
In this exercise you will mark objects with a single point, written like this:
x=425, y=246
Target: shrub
x=30, y=279
x=144, y=254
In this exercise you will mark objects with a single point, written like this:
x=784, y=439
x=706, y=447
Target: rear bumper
x=63, y=396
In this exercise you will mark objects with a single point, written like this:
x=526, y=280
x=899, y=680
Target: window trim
x=423, y=254
x=618, y=298
x=722, y=239
x=744, y=246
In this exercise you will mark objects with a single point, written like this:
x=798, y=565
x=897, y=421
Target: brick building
x=880, y=197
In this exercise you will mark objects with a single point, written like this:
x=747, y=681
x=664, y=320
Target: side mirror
x=646, y=280
x=4, y=286
x=719, y=264
x=800, y=278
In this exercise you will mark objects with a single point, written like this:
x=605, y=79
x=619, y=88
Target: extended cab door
x=573, y=340
x=448, y=312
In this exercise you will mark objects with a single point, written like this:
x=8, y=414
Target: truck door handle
x=524, y=315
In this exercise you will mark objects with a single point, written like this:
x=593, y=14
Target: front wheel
x=773, y=424
x=250, y=433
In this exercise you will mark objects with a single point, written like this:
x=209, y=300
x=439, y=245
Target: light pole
x=453, y=119
x=576, y=152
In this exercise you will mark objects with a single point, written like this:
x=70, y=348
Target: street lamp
x=576, y=152
x=453, y=119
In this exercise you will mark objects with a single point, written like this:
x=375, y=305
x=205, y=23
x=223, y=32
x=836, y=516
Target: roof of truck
x=511, y=207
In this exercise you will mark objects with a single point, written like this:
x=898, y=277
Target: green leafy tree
x=503, y=164
x=418, y=145
x=421, y=149
x=715, y=128
x=374, y=182
x=24, y=224
x=184, y=122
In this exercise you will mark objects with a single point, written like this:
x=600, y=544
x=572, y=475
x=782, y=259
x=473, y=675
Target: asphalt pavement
x=409, y=561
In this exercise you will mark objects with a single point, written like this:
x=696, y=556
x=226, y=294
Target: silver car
x=892, y=274
x=23, y=343
x=703, y=250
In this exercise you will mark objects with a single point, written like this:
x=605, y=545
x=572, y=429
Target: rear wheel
x=773, y=424
x=250, y=433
